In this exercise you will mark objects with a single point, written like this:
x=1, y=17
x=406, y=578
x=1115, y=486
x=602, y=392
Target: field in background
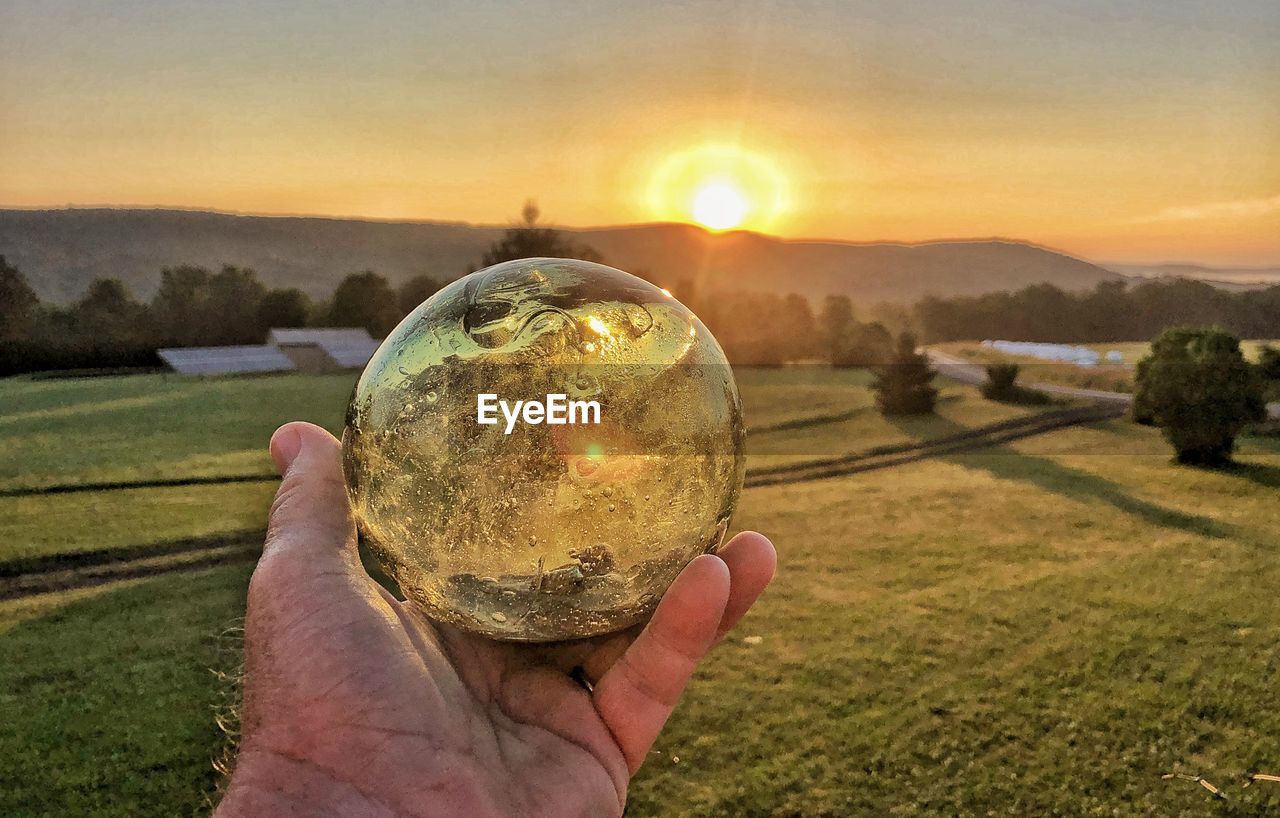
x=1111, y=377
x=1041, y=627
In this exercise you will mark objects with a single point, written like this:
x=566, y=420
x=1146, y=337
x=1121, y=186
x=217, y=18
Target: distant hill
x=60, y=251
x=1233, y=278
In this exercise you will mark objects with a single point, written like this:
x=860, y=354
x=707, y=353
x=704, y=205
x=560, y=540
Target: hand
x=357, y=704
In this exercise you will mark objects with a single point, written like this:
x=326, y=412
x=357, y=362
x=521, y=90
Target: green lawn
x=115, y=429
x=41, y=525
x=1040, y=629
x=1005, y=634
x=109, y=696
x=153, y=426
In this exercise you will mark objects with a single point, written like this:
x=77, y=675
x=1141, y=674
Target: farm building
x=225, y=360
x=286, y=350
x=324, y=350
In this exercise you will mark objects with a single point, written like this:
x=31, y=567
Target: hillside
x=1231, y=278
x=60, y=251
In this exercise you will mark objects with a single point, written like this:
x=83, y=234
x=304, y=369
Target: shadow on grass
x=1008, y=464
x=1261, y=473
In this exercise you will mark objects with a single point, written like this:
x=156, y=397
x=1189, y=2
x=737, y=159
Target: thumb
x=310, y=516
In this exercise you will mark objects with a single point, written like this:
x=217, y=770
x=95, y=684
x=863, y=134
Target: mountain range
x=1231, y=278
x=62, y=250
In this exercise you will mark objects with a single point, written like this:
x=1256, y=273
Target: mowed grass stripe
x=61, y=562
x=70, y=488
x=975, y=437
x=36, y=530
x=53, y=581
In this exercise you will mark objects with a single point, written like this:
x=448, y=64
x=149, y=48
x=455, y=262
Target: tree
x=528, y=239
x=235, y=296
x=1112, y=311
x=903, y=386
x=836, y=320
x=194, y=307
x=365, y=300
x=107, y=310
x=750, y=328
x=19, y=304
x=180, y=307
x=798, y=327
x=283, y=308
x=864, y=345
x=108, y=324
x=1196, y=385
x=416, y=290
x=1269, y=363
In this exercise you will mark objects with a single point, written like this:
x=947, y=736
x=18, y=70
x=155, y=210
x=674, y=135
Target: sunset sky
x=1115, y=130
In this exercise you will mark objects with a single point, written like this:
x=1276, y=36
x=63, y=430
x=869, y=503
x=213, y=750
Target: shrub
x=1002, y=385
x=1198, y=388
x=1000, y=379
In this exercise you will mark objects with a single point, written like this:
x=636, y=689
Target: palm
x=357, y=699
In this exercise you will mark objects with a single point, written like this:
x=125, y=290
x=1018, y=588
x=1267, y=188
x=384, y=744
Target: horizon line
x=991, y=238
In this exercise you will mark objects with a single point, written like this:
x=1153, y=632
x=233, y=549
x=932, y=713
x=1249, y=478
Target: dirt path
x=975, y=374
x=113, y=570
x=887, y=456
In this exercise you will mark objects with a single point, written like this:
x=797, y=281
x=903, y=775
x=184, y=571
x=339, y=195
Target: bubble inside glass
x=530, y=530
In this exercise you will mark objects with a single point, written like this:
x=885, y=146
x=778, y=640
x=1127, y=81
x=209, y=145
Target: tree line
x=1111, y=311
x=109, y=327
x=194, y=306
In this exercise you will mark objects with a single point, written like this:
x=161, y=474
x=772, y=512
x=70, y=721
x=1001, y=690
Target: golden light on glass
x=544, y=532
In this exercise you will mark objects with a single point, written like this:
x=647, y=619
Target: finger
x=606, y=654
x=752, y=561
x=310, y=517
x=636, y=695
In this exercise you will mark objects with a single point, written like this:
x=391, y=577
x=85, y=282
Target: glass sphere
x=565, y=515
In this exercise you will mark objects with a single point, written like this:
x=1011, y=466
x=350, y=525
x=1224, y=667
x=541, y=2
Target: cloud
x=1238, y=209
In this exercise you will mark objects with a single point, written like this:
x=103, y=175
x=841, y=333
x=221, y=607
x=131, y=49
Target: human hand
x=357, y=704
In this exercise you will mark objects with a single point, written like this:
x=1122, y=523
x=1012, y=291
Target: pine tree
x=531, y=239
x=903, y=386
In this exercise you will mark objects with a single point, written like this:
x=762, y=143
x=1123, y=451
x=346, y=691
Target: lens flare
x=719, y=186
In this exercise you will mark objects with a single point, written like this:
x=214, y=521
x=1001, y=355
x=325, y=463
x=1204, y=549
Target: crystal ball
x=538, y=449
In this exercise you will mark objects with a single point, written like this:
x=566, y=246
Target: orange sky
x=1117, y=131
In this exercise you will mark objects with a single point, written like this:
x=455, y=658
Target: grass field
x=92, y=435
x=1043, y=628
x=1112, y=377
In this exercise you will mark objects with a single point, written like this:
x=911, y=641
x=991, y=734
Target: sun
x=719, y=205
x=720, y=186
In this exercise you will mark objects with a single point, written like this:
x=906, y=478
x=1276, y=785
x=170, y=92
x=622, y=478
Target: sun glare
x=719, y=205
x=719, y=186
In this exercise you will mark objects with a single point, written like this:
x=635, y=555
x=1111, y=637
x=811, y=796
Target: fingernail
x=285, y=445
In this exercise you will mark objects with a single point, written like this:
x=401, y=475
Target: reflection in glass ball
x=526, y=528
